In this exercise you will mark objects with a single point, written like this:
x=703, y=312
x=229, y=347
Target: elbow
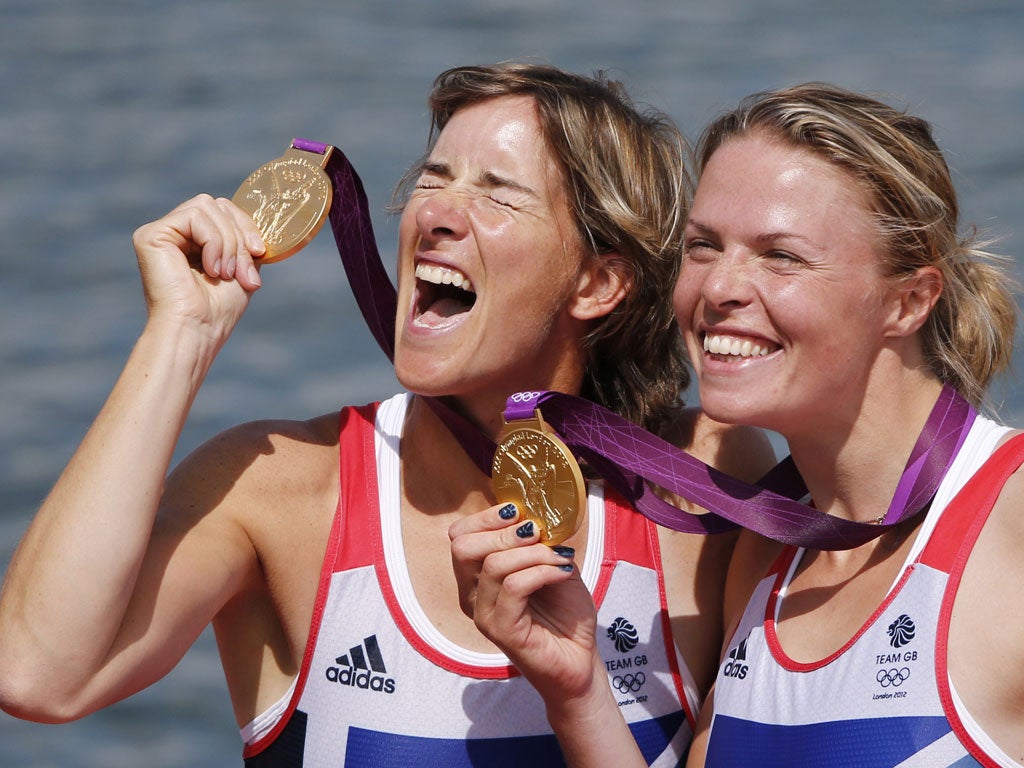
x=31, y=697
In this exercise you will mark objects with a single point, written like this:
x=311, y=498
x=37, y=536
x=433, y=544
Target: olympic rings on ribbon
x=522, y=397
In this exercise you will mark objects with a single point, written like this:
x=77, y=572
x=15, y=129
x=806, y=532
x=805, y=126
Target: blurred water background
x=112, y=112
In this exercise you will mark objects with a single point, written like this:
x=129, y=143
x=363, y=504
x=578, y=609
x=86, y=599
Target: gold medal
x=289, y=199
x=534, y=469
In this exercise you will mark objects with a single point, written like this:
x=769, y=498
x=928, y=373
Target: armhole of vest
x=351, y=421
x=633, y=538
x=777, y=573
x=966, y=513
x=977, y=498
x=621, y=524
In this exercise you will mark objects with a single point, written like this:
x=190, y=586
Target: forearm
x=591, y=730
x=71, y=579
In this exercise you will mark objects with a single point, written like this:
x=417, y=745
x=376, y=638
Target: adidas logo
x=734, y=666
x=357, y=668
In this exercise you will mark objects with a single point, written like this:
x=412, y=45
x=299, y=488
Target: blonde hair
x=968, y=338
x=629, y=190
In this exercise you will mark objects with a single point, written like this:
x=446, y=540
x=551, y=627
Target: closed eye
x=699, y=249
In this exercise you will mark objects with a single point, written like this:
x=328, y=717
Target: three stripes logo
x=735, y=667
x=362, y=667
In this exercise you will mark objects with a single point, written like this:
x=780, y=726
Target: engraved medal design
x=289, y=199
x=534, y=469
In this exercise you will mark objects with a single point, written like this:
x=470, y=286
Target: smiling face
x=780, y=297
x=488, y=263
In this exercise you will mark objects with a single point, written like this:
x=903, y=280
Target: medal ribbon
x=625, y=454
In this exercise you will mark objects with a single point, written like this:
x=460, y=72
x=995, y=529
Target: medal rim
x=290, y=248
x=539, y=427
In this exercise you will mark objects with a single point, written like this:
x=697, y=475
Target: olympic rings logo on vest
x=894, y=677
x=629, y=683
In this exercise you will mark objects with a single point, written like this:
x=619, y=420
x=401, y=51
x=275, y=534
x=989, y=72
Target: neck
x=852, y=467
x=438, y=476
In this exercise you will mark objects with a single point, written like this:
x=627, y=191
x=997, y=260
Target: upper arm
x=198, y=557
x=986, y=657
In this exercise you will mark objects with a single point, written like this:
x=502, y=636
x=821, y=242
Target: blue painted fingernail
x=525, y=530
x=564, y=551
x=507, y=512
x=566, y=568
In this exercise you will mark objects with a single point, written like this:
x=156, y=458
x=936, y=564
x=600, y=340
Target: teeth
x=731, y=345
x=438, y=275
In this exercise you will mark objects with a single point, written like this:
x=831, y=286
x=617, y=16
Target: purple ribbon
x=628, y=456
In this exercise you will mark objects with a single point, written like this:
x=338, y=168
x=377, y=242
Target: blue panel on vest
x=841, y=744
x=389, y=750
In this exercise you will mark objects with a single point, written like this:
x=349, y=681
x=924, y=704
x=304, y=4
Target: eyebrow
x=487, y=178
x=764, y=237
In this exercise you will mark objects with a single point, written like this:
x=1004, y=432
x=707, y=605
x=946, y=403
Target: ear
x=913, y=298
x=602, y=283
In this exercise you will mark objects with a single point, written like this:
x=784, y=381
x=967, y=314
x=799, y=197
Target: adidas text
x=360, y=678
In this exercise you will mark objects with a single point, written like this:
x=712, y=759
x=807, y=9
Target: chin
x=424, y=384
x=732, y=410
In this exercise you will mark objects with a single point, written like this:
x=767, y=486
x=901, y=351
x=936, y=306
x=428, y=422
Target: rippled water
x=113, y=112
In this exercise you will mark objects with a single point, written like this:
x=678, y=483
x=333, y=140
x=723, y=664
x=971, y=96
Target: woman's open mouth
x=442, y=294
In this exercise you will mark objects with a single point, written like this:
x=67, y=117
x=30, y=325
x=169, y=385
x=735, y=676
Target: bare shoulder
x=752, y=557
x=256, y=466
x=741, y=451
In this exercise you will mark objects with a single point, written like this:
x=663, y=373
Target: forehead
x=757, y=176
x=503, y=130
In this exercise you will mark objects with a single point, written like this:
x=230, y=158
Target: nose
x=725, y=281
x=442, y=215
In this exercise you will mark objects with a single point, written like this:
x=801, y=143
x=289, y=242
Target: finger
x=473, y=538
x=504, y=614
x=220, y=235
x=491, y=519
x=213, y=240
x=250, y=245
x=197, y=228
x=470, y=548
x=505, y=568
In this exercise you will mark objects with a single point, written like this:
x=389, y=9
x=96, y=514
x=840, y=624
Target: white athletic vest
x=380, y=686
x=884, y=699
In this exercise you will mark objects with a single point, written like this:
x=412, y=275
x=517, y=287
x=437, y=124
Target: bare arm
x=986, y=656
x=79, y=604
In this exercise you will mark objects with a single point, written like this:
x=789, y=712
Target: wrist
x=588, y=703
x=172, y=348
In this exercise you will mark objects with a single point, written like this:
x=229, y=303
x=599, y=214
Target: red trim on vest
x=979, y=494
x=358, y=469
x=790, y=664
x=348, y=424
x=953, y=544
